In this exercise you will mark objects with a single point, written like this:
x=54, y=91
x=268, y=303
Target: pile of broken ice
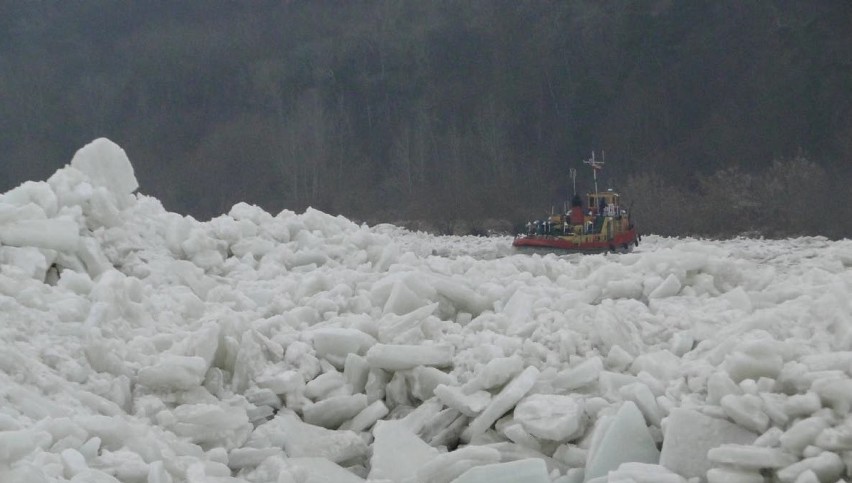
x=139, y=345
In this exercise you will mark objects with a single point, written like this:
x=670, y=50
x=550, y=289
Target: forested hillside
x=447, y=112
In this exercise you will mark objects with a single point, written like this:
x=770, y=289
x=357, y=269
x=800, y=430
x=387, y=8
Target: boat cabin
x=605, y=202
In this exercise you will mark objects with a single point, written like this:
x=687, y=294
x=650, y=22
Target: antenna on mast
x=596, y=166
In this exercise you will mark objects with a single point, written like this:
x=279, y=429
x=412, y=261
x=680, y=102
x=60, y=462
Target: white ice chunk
x=16, y=444
x=212, y=424
x=208, y=471
x=157, y=473
x=753, y=360
x=107, y=165
x=340, y=341
x=125, y=465
x=61, y=428
x=826, y=466
x=8, y=423
x=367, y=417
x=250, y=360
x=446, y=432
x=572, y=475
x=355, y=370
x=627, y=289
x=31, y=193
x=739, y=299
x=396, y=391
x=25, y=474
x=808, y=476
x=835, y=392
x=771, y=438
x=529, y=470
x=618, y=359
x=571, y=455
x=689, y=435
x=420, y=417
x=502, y=402
x=733, y=475
x=518, y=435
x=239, y=458
x=750, y=457
x=90, y=448
x=203, y=252
x=668, y=288
x=720, y=385
x=111, y=431
x=61, y=234
x=578, y=376
x=838, y=438
x=625, y=439
x=747, y=411
x=407, y=328
x=510, y=451
x=174, y=372
x=31, y=403
x=325, y=385
x=446, y=467
x=495, y=373
x=316, y=470
x=640, y=394
x=93, y=258
x=610, y=383
x=403, y=299
x=398, y=453
x=286, y=382
x=799, y=405
x=332, y=412
x=401, y=357
x=29, y=260
x=802, y=433
x=204, y=342
x=301, y=439
x=468, y=404
x=91, y=475
x=829, y=361
x=424, y=380
x=376, y=387
x=551, y=417
x=682, y=343
x=104, y=208
x=661, y=364
x=15, y=210
x=459, y=292
x=643, y=473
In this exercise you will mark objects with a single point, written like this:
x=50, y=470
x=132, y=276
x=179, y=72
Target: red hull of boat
x=621, y=242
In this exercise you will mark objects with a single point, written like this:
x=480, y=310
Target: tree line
x=445, y=111
x=792, y=197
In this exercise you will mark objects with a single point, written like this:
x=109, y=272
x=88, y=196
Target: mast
x=596, y=166
x=573, y=173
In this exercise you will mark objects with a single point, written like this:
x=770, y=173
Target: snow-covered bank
x=143, y=346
